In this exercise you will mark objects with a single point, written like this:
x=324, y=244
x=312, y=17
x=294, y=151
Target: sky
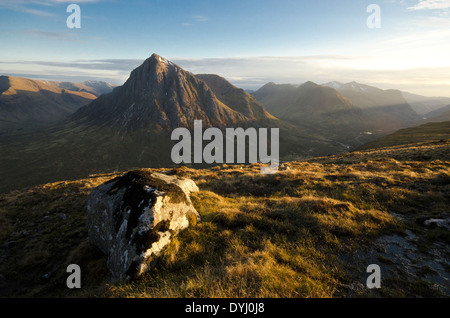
x=249, y=42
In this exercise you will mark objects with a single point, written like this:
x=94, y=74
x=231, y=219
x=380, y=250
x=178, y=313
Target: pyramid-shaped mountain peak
x=160, y=96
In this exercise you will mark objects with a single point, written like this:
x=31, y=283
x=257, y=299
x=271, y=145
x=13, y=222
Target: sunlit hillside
x=309, y=231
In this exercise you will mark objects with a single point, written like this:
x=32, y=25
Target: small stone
x=46, y=276
x=44, y=218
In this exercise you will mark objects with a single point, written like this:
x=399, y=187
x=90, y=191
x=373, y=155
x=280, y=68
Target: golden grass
x=261, y=235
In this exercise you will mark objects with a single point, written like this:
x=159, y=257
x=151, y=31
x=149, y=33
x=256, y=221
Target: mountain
x=437, y=114
x=320, y=108
x=96, y=88
x=238, y=99
x=272, y=95
x=442, y=117
x=159, y=96
x=387, y=110
x=131, y=127
x=424, y=105
x=296, y=142
x=127, y=128
x=26, y=103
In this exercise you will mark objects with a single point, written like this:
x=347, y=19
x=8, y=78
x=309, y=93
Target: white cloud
x=200, y=18
x=34, y=6
x=431, y=5
x=195, y=19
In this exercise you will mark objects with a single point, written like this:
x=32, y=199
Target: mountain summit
x=159, y=96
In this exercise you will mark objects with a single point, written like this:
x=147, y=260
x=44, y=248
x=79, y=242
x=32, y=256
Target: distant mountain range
x=424, y=105
x=387, y=110
x=26, y=103
x=96, y=88
x=317, y=107
x=350, y=112
x=370, y=96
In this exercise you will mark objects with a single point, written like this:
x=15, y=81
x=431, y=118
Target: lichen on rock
x=134, y=217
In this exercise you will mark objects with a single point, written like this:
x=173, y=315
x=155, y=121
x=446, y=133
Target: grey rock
x=46, y=276
x=133, y=217
x=442, y=223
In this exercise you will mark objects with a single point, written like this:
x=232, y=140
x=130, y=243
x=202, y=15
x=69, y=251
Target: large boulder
x=133, y=217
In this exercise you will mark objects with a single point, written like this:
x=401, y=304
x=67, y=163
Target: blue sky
x=250, y=42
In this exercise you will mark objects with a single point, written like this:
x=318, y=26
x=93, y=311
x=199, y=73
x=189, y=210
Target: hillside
x=96, y=88
x=443, y=117
x=423, y=104
x=437, y=132
x=26, y=103
x=309, y=231
x=316, y=107
x=387, y=110
x=237, y=98
x=439, y=115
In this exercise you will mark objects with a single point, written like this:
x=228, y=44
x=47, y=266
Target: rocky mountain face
x=26, y=103
x=159, y=96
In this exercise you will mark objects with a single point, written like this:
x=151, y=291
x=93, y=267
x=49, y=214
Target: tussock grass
x=261, y=235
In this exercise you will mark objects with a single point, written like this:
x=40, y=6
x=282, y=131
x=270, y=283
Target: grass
x=270, y=236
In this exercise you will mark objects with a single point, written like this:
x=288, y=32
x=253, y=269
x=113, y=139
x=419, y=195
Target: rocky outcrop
x=133, y=217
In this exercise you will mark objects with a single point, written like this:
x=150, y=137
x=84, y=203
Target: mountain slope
x=431, y=132
x=273, y=95
x=235, y=98
x=26, y=103
x=438, y=114
x=319, y=108
x=424, y=105
x=96, y=88
x=443, y=117
x=309, y=231
x=387, y=109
